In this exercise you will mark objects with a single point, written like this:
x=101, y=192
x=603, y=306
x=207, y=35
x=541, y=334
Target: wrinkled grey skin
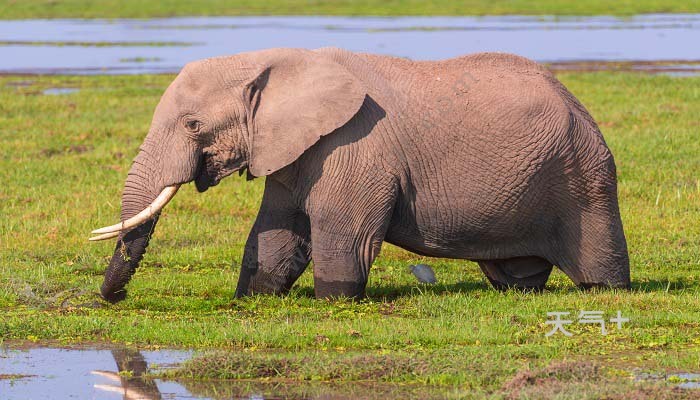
x=485, y=157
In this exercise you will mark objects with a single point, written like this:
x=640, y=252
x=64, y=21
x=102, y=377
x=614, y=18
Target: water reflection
x=131, y=379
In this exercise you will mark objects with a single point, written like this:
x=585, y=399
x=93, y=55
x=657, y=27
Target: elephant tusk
x=104, y=236
x=147, y=213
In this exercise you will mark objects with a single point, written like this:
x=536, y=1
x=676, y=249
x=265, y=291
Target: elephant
x=485, y=157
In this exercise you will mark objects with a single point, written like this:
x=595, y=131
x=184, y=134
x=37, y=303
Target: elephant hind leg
x=527, y=273
x=593, y=248
x=346, y=238
x=595, y=254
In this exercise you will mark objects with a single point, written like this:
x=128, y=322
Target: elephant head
x=257, y=111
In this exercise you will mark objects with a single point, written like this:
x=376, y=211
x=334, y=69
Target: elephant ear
x=297, y=97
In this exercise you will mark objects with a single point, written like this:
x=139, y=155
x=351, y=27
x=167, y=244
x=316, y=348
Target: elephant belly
x=495, y=201
x=479, y=226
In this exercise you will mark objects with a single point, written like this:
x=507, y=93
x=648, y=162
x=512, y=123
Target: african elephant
x=485, y=157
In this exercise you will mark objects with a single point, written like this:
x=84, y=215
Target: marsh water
x=52, y=373
x=660, y=42
x=127, y=373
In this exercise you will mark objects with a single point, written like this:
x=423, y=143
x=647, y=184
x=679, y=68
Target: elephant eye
x=193, y=125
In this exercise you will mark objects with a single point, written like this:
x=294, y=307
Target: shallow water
x=59, y=91
x=689, y=380
x=47, y=373
x=164, y=45
x=120, y=373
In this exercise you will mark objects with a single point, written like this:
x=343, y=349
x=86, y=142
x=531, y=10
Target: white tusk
x=147, y=213
x=104, y=236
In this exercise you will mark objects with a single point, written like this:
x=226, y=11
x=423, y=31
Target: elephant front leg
x=274, y=259
x=346, y=240
x=278, y=249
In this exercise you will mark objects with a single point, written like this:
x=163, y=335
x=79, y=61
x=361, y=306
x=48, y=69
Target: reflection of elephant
x=131, y=377
x=485, y=157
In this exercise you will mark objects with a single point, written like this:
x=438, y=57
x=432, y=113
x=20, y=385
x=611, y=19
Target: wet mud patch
x=46, y=296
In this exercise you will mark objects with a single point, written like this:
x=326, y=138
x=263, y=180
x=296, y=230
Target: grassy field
x=63, y=162
x=13, y=9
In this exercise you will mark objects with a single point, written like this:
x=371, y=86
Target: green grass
x=63, y=162
x=13, y=9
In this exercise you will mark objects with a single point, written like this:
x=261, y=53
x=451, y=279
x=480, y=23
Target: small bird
x=423, y=273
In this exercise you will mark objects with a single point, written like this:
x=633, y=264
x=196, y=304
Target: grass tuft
x=316, y=366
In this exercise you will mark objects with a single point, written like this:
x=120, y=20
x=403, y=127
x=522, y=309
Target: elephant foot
x=524, y=273
x=338, y=289
x=263, y=282
x=622, y=285
x=114, y=297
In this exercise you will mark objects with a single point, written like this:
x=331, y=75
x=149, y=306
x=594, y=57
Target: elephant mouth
x=205, y=178
x=210, y=173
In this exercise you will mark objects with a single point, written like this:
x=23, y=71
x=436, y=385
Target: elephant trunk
x=128, y=253
x=164, y=162
x=139, y=195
